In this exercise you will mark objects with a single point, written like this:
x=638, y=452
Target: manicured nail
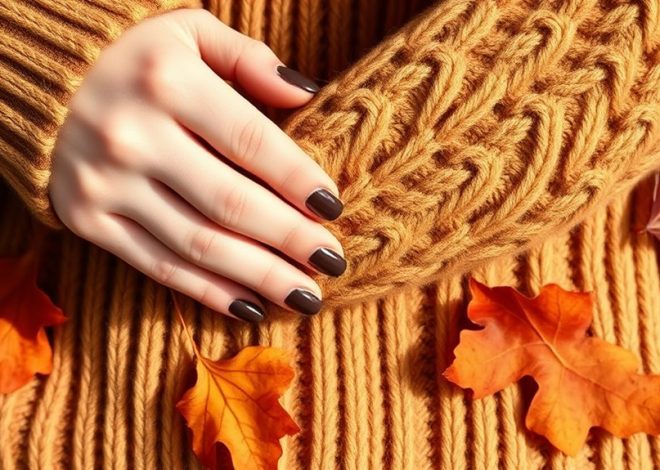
x=324, y=204
x=328, y=262
x=298, y=79
x=246, y=310
x=303, y=301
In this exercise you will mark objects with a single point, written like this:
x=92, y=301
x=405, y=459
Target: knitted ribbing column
x=46, y=436
x=646, y=272
x=119, y=340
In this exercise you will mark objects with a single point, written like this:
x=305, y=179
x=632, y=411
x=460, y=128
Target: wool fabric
x=509, y=140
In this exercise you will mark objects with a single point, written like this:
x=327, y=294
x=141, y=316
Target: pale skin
x=132, y=175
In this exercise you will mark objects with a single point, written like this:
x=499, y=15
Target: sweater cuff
x=46, y=49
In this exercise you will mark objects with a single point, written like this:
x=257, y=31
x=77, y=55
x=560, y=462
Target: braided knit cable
x=479, y=129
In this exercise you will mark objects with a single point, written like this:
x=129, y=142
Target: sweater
x=509, y=140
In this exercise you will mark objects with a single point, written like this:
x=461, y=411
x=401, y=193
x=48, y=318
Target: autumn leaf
x=24, y=312
x=582, y=381
x=235, y=402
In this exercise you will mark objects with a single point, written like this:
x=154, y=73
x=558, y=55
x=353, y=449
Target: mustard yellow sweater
x=510, y=140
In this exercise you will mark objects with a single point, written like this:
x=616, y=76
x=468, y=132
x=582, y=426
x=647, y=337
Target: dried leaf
x=24, y=312
x=583, y=381
x=235, y=402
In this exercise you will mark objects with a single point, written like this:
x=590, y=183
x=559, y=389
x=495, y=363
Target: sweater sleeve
x=46, y=47
x=480, y=129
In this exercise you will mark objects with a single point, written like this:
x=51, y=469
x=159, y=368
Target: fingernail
x=303, y=301
x=246, y=310
x=324, y=204
x=298, y=79
x=328, y=262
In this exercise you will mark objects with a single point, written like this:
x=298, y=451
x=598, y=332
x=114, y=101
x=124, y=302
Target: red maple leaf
x=24, y=312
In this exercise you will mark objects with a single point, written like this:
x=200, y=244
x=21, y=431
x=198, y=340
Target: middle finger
x=242, y=205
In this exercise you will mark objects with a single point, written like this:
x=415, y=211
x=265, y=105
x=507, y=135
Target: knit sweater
x=512, y=141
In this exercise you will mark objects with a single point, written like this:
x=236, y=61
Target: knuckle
x=88, y=187
x=247, y=139
x=298, y=172
x=89, y=191
x=205, y=295
x=292, y=236
x=158, y=76
x=231, y=206
x=268, y=278
x=163, y=271
x=200, y=243
x=119, y=139
x=79, y=220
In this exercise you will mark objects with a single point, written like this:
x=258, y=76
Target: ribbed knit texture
x=506, y=140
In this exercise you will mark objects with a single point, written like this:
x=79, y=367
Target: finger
x=241, y=205
x=141, y=250
x=200, y=241
x=211, y=109
x=251, y=63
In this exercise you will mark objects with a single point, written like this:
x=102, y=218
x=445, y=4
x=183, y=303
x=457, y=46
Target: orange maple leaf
x=235, y=402
x=583, y=381
x=24, y=312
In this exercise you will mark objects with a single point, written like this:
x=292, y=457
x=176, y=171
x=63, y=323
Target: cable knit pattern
x=506, y=140
x=480, y=129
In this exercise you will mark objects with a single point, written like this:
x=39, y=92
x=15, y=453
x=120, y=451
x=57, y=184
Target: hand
x=152, y=159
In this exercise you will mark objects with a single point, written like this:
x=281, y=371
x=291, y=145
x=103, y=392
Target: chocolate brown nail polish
x=246, y=310
x=303, y=301
x=297, y=79
x=328, y=262
x=324, y=204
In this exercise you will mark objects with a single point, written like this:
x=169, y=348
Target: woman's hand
x=137, y=168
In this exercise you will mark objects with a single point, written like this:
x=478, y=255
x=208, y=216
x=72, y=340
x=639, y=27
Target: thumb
x=250, y=63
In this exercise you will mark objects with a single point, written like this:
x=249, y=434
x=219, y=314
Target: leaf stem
x=177, y=308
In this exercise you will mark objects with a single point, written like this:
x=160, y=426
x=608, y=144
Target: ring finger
x=136, y=246
x=202, y=242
